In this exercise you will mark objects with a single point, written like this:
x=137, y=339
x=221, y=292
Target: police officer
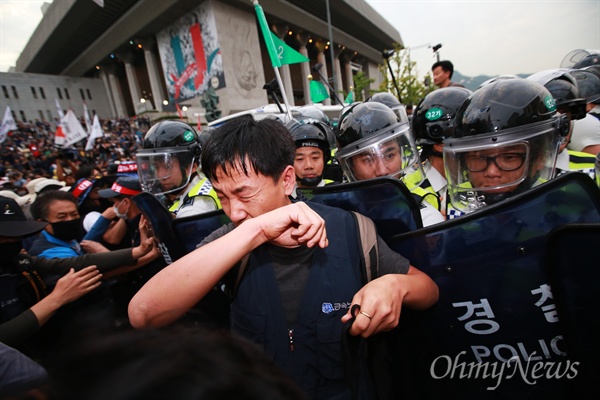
x=392, y=102
x=313, y=151
x=434, y=120
x=505, y=142
x=563, y=87
x=168, y=165
x=374, y=142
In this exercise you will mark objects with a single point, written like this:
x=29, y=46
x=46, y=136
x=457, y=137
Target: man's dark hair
x=193, y=363
x=264, y=145
x=39, y=208
x=446, y=66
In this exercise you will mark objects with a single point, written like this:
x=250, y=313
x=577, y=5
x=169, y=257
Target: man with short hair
x=442, y=74
x=297, y=283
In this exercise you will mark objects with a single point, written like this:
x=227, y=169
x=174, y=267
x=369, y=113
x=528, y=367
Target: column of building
x=321, y=59
x=302, y=39
x=156, y=79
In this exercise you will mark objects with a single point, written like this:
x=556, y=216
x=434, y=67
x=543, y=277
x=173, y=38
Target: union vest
x=309, y=351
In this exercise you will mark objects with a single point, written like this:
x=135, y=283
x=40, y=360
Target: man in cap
x=18, y=320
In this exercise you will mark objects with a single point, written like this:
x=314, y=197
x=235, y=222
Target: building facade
x=198, y=59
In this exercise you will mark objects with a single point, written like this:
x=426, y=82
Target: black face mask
x=10, y=249
x=67, y=230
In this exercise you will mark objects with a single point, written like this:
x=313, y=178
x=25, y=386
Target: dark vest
x=315, y=362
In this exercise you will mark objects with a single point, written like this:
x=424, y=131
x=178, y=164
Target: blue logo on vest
x=327, y=308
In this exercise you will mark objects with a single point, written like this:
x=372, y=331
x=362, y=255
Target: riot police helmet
x=505, y=141
x=434, y=118
x=373, y=142
x=169, y=148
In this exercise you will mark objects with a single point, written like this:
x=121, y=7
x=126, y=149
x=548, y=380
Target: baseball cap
x=21, y=200
x=49, y=184
x=123, y=186
x=13, y=222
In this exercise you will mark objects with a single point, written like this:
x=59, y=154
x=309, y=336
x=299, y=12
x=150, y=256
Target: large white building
x=136, y=56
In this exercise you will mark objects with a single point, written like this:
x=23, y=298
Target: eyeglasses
x=504, y=162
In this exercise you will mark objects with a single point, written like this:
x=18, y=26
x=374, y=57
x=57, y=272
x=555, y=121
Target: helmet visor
x=483, y=171
x=384, y=155
x=165, y=171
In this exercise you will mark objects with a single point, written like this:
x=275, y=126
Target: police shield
x=387, y=201
x=162, y=228
x=190, y=231
x=496, y=331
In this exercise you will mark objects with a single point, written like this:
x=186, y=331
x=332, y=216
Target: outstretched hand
x=292, y=226
x=144, y=248
x=73, y=284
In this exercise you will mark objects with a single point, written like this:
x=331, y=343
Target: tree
x=361, y=82
x=412, y=90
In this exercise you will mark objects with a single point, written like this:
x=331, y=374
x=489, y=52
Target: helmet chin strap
x=310, y=182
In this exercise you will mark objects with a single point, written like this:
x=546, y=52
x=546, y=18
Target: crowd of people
x=291, y=270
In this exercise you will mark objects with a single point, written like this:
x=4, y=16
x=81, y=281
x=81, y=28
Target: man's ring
x=365, y=314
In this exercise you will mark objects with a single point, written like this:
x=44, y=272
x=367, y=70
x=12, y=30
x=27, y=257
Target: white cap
x=45, y=183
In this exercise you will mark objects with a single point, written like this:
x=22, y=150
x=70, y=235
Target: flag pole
x=283, y=94
x=262, y=21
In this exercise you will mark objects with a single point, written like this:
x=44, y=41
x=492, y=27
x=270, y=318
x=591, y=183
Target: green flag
x=350, y=98
x=279, y=52
x=317, y=92
x=285, y=53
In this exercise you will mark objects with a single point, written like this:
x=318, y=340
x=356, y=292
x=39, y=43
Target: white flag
x=8, y=124
x=88, y=121
x=96, y=132
x=72, y=129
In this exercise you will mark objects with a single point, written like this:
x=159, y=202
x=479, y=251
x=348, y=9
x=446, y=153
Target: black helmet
x=165, y=142
x=312, y=133
x=392, y=102
x=510, y=125
x=433, y=119
x=497, y=78
x=588, y=83
x=310, y=111
x=372, y=132
x=563, y=87
x=590, y=59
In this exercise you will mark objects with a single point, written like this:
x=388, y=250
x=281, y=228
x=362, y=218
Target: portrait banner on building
x=189, y=53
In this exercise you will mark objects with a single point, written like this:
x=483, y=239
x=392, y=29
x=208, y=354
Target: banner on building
x=189, y=53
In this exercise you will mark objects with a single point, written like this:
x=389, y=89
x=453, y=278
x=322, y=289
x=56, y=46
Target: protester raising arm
x=288, y=226
x=69, y=288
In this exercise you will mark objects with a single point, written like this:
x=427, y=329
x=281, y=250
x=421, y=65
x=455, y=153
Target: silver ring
x=365, y=314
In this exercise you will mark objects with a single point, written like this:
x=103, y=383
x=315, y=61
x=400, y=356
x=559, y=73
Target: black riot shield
x=192, y=230
x=495, y=331
x=573, y=253
x=162, y=228
x=387, y=201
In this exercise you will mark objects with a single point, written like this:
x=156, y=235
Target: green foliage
x=361, y=82
x=412, y=90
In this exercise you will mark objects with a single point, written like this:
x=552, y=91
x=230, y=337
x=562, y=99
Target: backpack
x=19, y=291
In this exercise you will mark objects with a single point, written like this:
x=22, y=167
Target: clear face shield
x=164, y=171
x=400, y=111
x=391, y=153
x=485, y=169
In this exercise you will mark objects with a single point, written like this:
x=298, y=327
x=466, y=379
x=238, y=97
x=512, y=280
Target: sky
x=484, y=37
x=480, y=37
